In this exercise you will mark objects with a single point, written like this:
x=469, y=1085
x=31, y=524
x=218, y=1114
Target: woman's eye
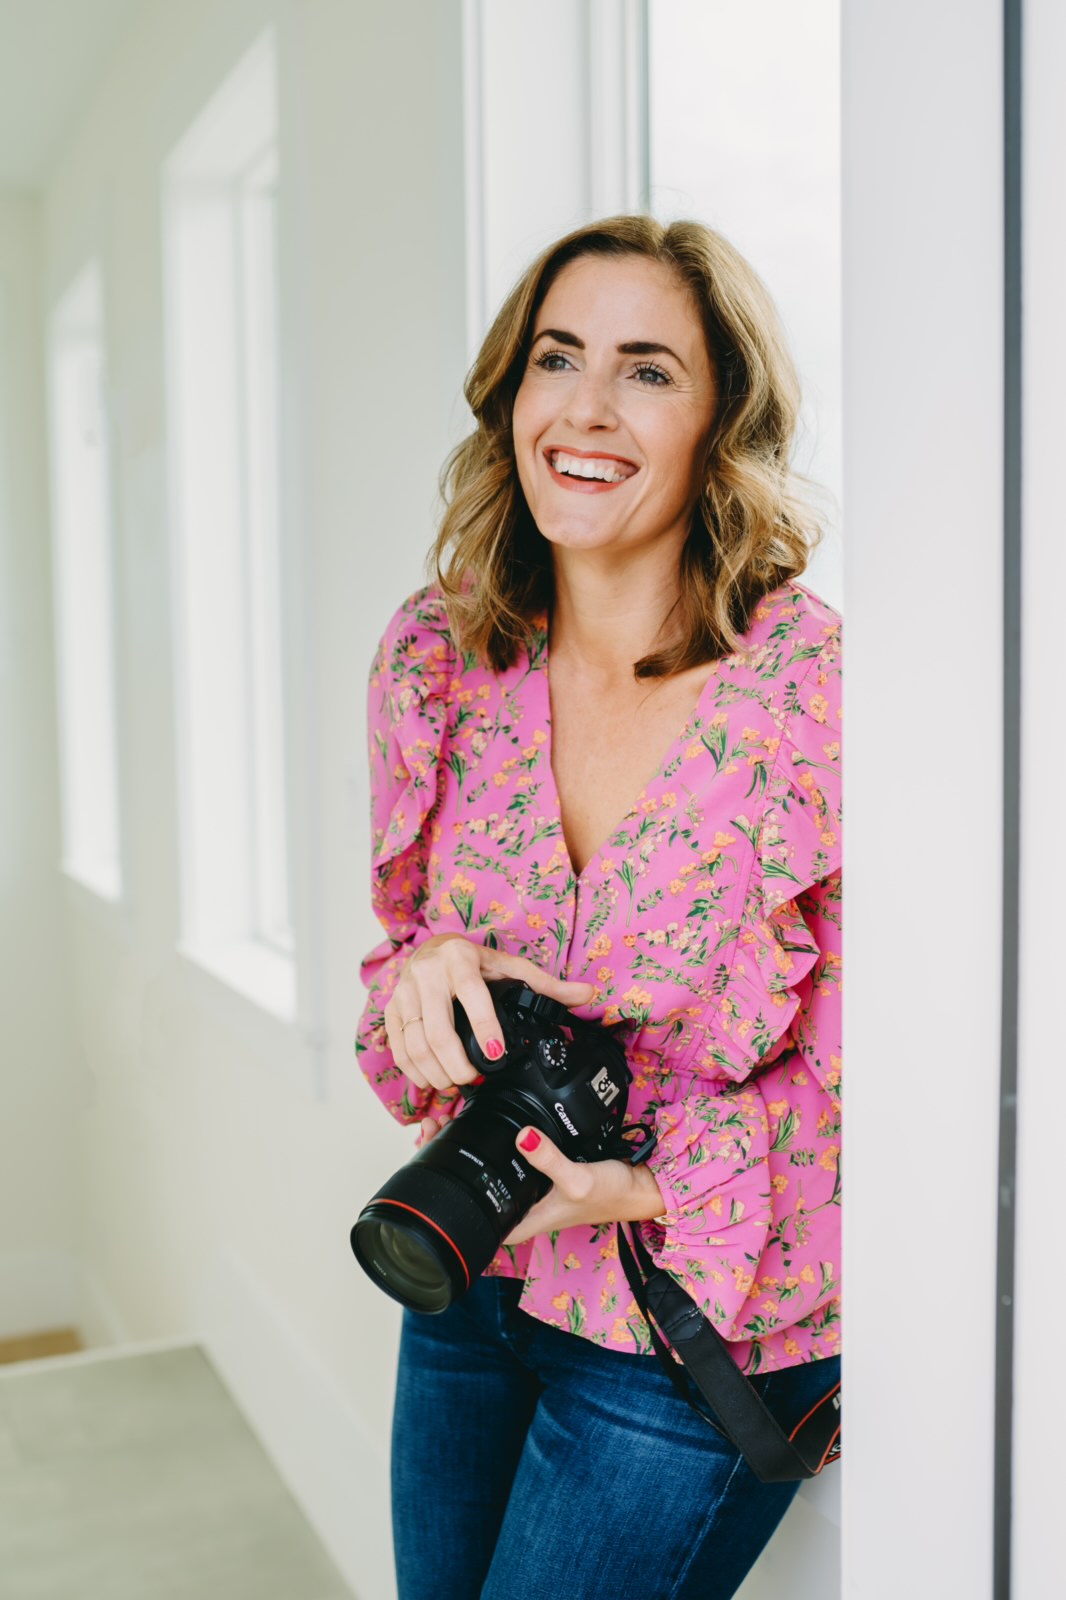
x=549, y=357
x=659, y=378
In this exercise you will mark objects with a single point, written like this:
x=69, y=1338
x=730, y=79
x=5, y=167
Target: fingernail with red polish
x=479, y=1079
x=531, y=1140
x=494, y=1049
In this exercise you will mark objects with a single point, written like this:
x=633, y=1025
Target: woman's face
x=615, y=408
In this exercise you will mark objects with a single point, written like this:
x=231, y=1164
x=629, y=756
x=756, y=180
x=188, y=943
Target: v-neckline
x=541, y=665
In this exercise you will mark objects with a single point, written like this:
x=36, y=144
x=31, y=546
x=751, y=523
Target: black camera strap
x=739, y=1412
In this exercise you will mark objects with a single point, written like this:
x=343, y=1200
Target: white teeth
x=584, y=467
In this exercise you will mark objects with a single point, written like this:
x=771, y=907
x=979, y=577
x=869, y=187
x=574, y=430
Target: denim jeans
x=531, y=1464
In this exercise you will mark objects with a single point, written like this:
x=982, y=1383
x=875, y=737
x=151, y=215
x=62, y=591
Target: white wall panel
x=923, y=421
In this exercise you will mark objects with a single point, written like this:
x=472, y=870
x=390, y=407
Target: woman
x=616, y=605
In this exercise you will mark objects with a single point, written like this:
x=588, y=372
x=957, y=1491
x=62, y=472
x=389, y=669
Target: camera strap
x=739, y=1412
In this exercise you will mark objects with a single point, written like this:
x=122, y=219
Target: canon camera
x=433, y=1228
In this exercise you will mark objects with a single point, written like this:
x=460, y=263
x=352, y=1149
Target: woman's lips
x=584, y=485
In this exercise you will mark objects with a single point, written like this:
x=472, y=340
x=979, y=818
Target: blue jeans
x=528, y=1462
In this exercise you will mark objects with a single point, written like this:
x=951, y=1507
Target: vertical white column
x=923, y=425
x=1038, y=1550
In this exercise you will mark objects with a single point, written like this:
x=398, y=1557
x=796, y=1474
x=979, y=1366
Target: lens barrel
x=435, y=1225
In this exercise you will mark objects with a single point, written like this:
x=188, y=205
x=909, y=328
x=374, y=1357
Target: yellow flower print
x=637, y=997
x=791, y=1282
x=807, y=1274
x=828, y=1160
x=612, y=1276
x=742, y=1280
x=465, y=696
x=606, y=865
x=447, y=904
x=799, y=1077
x=501, y=912
x=831, y=750
x=769, y=1282
x=571, y=1261
x=818, y=705
x=609, y=1251
x=715, y=1204
x=499, y=779
x=777, y=1108
x=600, y=948
x=791, y=1347
x=561, y=1301
x=693, y=749
x=668, y=800
x=484, y=691
x=539, y=736
x=620, y=1332
x=529, y=751
x=604, y=974
x=466, y=885
x=750, y=733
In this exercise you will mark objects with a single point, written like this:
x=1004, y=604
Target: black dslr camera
x=433, y=1228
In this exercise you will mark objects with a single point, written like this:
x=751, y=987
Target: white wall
x=923, y=491
x=41, y=1091
x=221, y=1158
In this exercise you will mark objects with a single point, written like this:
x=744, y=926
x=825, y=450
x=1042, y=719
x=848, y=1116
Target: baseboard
x=335, y=1469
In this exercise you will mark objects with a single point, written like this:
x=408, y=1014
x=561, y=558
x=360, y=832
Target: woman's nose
x=590, y=403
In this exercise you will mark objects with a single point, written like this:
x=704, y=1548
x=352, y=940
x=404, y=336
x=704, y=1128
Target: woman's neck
x=605, y=618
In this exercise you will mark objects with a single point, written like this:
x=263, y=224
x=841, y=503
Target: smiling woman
x=605, y=755
x=698, y=336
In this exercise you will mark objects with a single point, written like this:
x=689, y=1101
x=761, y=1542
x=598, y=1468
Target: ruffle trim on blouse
x=798, y=846
x=416, y=665
x=711, y=1167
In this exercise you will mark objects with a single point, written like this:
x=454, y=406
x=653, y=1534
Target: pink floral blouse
x=709, y=922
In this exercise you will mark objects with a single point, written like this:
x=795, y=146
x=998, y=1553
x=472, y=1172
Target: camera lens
x=435, y=1225
x=402, y=1259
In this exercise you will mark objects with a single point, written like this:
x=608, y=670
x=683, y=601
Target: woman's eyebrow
x=632, y=347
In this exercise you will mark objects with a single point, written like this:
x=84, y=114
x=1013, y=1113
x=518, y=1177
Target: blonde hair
x=751, y=531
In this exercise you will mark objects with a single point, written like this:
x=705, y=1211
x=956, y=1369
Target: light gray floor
x=137, y=1478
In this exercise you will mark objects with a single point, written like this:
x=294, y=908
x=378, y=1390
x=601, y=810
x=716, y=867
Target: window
x=744, y=134
x=220, y=254
x=83, y=569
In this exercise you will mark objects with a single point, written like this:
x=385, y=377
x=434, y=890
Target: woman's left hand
x=581, y=1192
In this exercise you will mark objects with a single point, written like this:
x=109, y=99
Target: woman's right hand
x=419, y=1019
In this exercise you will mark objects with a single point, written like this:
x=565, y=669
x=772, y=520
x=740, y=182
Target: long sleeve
x=405, y=722
x=748, y=1155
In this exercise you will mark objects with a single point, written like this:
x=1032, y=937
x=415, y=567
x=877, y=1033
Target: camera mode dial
x=552, y=1053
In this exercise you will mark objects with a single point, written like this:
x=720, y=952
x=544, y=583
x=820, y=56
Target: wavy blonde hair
x=751, y=531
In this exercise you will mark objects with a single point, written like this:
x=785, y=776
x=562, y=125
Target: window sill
x=264, y=976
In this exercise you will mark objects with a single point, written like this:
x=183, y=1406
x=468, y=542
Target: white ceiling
x=52, y=53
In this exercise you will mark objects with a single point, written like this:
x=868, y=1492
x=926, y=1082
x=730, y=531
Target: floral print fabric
x=709, y=922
